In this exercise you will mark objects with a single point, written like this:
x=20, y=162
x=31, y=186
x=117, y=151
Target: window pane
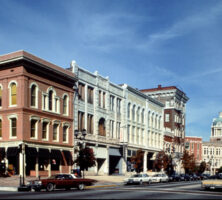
x=65, y=105
x=0, y=128
x=0, y=96
x=65, y=128
x=50, y=100
x=55, y=131
x=33, y=128
x=44, y=130
x=13, y=127
x=13, y=94
x=33, y=95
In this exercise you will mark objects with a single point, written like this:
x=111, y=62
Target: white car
x=138, y=179
x=158, y=178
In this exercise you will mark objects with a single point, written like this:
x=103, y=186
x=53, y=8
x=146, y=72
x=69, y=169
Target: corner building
x=119, y=120
x=174, y=101
x=36, y=115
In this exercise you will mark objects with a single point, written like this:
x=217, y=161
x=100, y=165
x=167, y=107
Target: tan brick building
x=36, y=115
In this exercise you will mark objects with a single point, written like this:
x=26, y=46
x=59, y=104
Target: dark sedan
x=174, y=177
x=60, y=181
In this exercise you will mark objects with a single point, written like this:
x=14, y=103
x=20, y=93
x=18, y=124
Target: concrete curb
x=9, y=189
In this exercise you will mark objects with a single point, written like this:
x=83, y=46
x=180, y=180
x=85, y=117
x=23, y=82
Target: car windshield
x=136, y=175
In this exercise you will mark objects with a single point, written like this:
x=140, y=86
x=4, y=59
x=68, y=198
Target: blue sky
x=139, y=42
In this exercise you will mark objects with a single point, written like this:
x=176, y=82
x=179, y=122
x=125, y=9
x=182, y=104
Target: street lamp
x=80, y=135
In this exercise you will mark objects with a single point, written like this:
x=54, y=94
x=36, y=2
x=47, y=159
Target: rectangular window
x=13, y=127
x=44, y=102
x=112, y=102
x=0, y=97
x=55, y=132
x=33, y=128
x=128, y=133
x=0, y=128
x=81, y=121
x=65, y=134
x=167, y=117
x=90, y=124
x=104, y=100
x=118, y=106
x=44, y=130
x=118, y=130
x=90, y=95
x=111, y=128
x=81, y=91
x=13, y=94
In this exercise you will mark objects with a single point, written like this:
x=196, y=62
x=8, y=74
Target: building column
x=145, y=162
x=37, y=166
x=106, y=167
x=49, y=167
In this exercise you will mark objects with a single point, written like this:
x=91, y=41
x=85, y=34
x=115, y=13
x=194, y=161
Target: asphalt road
x=175, y=190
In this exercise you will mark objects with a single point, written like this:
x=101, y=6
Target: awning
x=114, y=152
x=2, y=153
x=31, y=151
x=56, y=154
x=68, y=156
x=44, y=153
x=12, y=151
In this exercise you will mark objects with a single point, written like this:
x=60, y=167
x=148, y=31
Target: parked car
x=214, y=182
x=186, y=177
x=174, y=177
x=204, y=176
x=60, y=181
x=138, y=179
x=196, y=177
x=158, y=178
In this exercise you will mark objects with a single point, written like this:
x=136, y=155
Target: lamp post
x=80, y=137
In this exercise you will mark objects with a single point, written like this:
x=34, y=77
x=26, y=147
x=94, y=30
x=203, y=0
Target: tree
x=85, y=159
x=202, y=167
x=137, y=161
x=163, y=161
x=189, y=163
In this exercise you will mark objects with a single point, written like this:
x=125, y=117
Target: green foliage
x=137, y=160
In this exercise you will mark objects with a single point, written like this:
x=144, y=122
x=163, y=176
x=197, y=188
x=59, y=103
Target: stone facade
x=131, y=120
x=212, y=151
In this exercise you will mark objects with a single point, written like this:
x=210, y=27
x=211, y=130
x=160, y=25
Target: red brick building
x=36, y=115
x=174, y=119
x=193, y=145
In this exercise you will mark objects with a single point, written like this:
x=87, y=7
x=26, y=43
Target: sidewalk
x=12, y=183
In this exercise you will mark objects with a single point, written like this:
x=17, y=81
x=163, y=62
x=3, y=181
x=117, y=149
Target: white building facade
x=119, y=120
x=212, y=151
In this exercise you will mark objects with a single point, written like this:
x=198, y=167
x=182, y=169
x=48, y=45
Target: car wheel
x=50, y=187
x=81, y=186
x=141, y=182
x=37, y=190
x=149, y=182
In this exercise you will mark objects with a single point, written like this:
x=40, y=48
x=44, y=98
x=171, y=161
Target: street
x=174, y=190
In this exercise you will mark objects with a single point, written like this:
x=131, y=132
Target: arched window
x=102, y=128
x=34, y=95
x=128, y=111
x=0, y=96
x=50, y=99
x=133, y=113
x=13, y=94
x=142, y=116
x=138, y=114
x=65, y=105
